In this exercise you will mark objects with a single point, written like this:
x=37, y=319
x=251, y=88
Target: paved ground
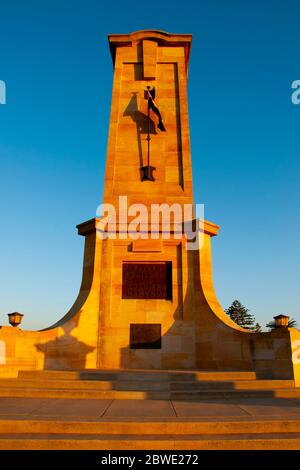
x=239, y=409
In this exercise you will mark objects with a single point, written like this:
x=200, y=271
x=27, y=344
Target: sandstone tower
x=148, y=302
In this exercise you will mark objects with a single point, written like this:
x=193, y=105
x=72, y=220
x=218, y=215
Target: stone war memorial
x=147, y=303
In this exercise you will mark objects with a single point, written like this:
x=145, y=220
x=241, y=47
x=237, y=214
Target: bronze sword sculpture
x=147, y=171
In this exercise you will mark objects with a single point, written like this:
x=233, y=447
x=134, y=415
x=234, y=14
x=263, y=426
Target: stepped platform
x=144, y=384
x=148, y=410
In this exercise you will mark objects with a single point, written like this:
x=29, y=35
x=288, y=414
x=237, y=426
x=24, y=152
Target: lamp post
x=15, y=318
x=281, y=321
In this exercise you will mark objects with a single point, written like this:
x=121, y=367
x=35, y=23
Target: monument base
x=184, y=329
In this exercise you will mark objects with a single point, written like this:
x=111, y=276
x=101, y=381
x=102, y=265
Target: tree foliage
x=257, y=328
x=242, y=316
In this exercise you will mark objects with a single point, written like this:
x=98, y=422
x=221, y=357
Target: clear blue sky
x=55, y=60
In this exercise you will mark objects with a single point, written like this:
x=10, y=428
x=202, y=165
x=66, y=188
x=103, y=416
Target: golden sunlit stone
x=181, y=307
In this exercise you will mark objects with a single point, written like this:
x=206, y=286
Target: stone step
x=137, y=375
x=274, y=441
x=126, y=385
x=81, y=394
x=233, y=385
x=250, y=393
x=154, y=428
x=43, y=392
x=94, y=385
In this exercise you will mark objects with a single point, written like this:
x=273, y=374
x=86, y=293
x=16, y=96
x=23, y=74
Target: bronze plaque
x=145, y=336
x=147, y=280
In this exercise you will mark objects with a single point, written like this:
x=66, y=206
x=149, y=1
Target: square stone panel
x=145, y=336
x=147, y=280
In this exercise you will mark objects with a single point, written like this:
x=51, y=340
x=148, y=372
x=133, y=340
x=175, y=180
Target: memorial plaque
x=145, y=336
x=147, y=280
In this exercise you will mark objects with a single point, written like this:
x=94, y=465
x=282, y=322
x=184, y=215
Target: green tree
x=272, y=325
x=257, y=328
x=241, y=315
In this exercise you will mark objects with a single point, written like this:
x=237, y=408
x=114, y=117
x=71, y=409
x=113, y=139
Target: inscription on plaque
x=145, y=336
x=147, y=280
